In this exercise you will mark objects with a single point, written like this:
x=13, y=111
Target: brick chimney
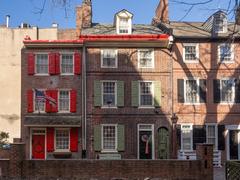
x=161, y=13
x=83, y=16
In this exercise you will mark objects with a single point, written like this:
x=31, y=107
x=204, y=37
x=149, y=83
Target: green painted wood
x=121, y=137
x=157, y=94
x=163, y=143
x=120, y=93
x=97, y=93
x=135, y=93
x=97, y=138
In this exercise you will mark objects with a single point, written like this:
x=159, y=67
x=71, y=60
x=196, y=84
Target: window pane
x=62, y=139
x=123, y=25
x=109, y=58
x=191, y=91
x=109, y=93
x=211, y=136
x=227, y=90
x=67, y=63
x=64, y=101
x=42, y=63
x=109, y=138
x=186, y=137
x=190, y=53
x=146, y=94
x=219, y=21
x=39, y=102
x=146, y=59
x=225, y=52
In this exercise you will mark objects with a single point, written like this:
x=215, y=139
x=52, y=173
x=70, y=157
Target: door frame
x=153, y=144
x=31, y=134
x=228, y=128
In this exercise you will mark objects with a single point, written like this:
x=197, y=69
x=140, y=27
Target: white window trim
x=216, y=134
x=232, y=54
x=139, y=94
x=197, y=53
x=153, y=144
x=116, y=139
x=233, y=89
x=225, y=25
x=68, y=53
x=198, y=91
x=35, y=64
x=116, y=59
x=129, y=24
x=115, y=91
x=191, y=128
x=69, y=91
x=55, y=140
x=31, y=134
x=34, y=101
x=153, y=58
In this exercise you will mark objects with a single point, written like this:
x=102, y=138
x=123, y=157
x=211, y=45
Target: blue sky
x=103, y=11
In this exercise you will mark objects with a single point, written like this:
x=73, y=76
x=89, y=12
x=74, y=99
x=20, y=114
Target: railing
x=232, y=170
x=191, y=155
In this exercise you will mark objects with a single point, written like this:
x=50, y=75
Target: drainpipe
x=84, y=124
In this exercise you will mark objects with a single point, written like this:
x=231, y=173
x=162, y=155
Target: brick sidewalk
x=219, y=173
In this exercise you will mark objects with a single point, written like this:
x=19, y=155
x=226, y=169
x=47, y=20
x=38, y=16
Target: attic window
x=123, y=26
x=220, y=23
x=123, y=22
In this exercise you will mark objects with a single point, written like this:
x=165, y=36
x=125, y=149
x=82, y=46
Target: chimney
x=83, y=16
x=7, y=20
x=161, y=13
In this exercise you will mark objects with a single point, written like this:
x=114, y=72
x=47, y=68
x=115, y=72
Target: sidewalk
x=219, y=173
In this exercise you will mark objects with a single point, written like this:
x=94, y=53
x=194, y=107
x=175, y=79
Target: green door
x=163, y=143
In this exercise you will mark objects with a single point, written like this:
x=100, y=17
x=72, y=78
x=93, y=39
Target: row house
x=205, y=84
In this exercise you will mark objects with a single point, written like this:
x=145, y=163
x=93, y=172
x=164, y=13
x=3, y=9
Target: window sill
x=106, y=67
x=41, y=74
x=146, y=107
x=191, y=61
x=146, y=67
x=67, y=74
x=106, y=107
x=193, y=104
x=226, y=62
x=227, y=103
x=109, y=151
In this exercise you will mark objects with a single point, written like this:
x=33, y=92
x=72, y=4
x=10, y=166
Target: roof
x=110, y=29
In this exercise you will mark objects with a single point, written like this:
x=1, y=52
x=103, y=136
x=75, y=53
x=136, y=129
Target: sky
x=28, y=11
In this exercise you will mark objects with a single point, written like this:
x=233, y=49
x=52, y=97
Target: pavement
x=219, y=173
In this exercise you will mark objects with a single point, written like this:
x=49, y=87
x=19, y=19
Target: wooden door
x=145, y=145
x=233, y=144
x=163, y=143
x=38, y=146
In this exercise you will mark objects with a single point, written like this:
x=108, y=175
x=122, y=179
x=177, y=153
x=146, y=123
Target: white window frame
x=191, y=142
x=198, y=91
x=129, y=24
x=146, y=129
x=55, y=140
x=116, y=139
x=216, y=134
x=34, y=101
x=197, y=52
x=73, y=59
x=116, y=58
x=153, y=59
x=139, y=94
x=223, y=18
x=35, y=64
x=233, y=91
x=232, y=53
x=59, y=100
x=115, y=92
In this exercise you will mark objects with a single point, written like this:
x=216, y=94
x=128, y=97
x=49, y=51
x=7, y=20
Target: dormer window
x=123, y=22
x=220, y=22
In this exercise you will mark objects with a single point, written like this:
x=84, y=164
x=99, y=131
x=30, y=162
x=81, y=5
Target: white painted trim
x=34, y=101
x=115, y=92
x=197, y=53
x=233, y=90
x=31, y=130
x=219, y=54
x=153, y=142
x=69, y=100
x=116, y=59
x=198, y=91
x=120, y=16
x=55, y=140
x=216, y=133
x=152, y=93
x=35, y=64
x=73, y=60
x=153, y=58
x=191, y=131
x=116, y=138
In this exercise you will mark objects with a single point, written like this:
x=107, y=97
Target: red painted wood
x=38, y=146
x=52, y=64
x=30, y=100
x=31, y=63
x=54, y=95
x=74, y=139
x=47, y=103
x=57, y=63
x=73, y=101
x=77, y=63
x=50, y=139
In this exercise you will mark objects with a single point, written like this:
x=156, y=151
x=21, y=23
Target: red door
x=38, y=146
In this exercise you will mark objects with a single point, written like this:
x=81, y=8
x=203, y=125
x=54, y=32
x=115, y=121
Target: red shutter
x=77, y=63
x=54, y=95
x=48, y=105
x=74, y=139
x=30, y=100
x=31, y=63
x=57, y=63
x=52, y=64
x=50, y=139
x=73, y=101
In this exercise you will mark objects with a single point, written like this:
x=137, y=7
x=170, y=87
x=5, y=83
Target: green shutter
x=97, y=93
x=120, y=93
x=97, y=138
x=135, y=93
x=157, y=94
x=121, y=138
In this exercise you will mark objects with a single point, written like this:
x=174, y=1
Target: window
x=227, y=90
x=212, y=134
x=109, y=94
x=41, y=63
x=62, y=139
x=186, y=135
x=123, y=25
x=146, y=94
x=219, y=23
x=39, y=105
x=64, y=100
x=146, y=58
x=109, y=58
x=225, y=53
x=192, y=91
x=67, y=63
x=109, y=137
x=191, y=52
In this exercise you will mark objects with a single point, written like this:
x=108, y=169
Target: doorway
x=163, y=143
x=38, y=144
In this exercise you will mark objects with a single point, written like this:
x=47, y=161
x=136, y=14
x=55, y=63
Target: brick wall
x=4, y=153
